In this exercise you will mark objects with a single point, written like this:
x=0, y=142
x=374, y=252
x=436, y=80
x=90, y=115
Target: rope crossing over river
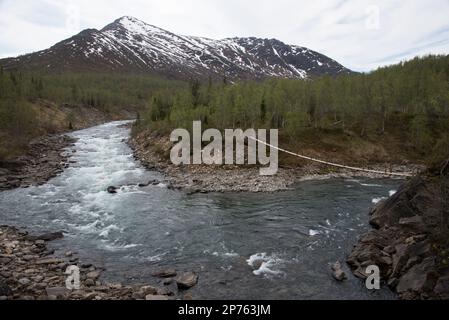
x=399, y=174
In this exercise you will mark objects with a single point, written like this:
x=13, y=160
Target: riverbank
x=153, y=151
x=44, y=160
x=155, y=231
x=29, y=270
x=33, y=155
x=410, y=242
x=46, y=118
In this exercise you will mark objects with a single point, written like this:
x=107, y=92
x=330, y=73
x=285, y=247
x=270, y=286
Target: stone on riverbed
x=166, y=273
x=148, y=290
x=112, y=190
x=187, y=280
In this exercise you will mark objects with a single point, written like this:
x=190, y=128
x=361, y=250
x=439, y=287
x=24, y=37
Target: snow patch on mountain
x=131, y=45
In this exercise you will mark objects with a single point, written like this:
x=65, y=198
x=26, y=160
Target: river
x=296, y=234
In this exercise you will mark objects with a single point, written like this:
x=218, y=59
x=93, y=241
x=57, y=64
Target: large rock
x=165, y=273
x=388, y=213
x=148, y=290
x=94, y=275
x=337, y=272
x=420, y=278
x=187, y=280
x=441, y=288
x=112, y=190
x=46, y=236
x=415, y=223
x=5, y=290
x=151, y=297
x=410, y=239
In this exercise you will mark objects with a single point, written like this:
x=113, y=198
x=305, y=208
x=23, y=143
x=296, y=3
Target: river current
x=242, y=245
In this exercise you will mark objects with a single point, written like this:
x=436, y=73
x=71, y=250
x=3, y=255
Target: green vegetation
x=392, y=114
x=399, y=112
x=25, y=100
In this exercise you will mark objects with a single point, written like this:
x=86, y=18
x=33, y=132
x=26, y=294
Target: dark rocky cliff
x=410, y=240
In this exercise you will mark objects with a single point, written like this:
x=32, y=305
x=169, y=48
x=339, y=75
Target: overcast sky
x=360, y=34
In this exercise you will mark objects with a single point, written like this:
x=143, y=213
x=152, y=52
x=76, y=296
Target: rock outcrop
x=410, y=240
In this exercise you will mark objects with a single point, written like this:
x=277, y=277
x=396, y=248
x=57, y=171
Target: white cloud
x=361, y=34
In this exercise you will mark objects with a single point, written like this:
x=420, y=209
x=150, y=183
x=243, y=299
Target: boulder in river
x=187, y=280
x=151, y=182
x=5, y=290
x=112, y=190
x=56, y=291
x=337, y=272
x=46, y=236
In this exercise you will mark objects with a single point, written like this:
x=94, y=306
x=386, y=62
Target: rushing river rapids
x=261, y=246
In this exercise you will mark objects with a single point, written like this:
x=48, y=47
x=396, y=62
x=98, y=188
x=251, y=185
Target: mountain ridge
x=131, y=45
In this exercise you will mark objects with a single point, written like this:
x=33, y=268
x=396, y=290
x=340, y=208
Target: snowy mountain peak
x=131, y=45
x=133, y=25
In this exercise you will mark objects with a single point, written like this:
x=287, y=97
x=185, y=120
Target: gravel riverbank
x=153, y=151
x=29, y=270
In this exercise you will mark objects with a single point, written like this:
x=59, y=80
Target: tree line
x=20, y=93
x=409, y=100
x=106, y=92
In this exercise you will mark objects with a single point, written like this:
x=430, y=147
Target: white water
x=261, y=246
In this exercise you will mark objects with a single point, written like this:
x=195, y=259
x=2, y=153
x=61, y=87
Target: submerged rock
x=337, y=272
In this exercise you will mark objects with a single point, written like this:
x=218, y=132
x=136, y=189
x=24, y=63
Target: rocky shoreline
x=406, y=244
x=410, y=239
x=153, y=153
x=44, y=160
x=31, y=271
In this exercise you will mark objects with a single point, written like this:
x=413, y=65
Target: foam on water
x=379, y=199
x=267, y=265
x=295, y=233
x=99, y=159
